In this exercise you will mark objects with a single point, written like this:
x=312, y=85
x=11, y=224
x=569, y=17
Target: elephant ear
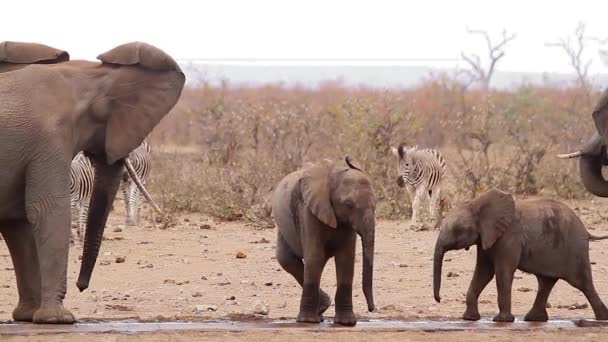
x=315, y=185
x=600, y=116
x=144, y=85
x=494, y=210
x=30, y=53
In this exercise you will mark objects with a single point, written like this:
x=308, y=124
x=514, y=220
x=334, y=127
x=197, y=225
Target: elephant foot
x=308, y=317
x=25, y=312
x=53, y=314
x=601, y=316
x=345, y=318
x=538, y=316
x=504, y=317
x=324, y=301
x=471, y=316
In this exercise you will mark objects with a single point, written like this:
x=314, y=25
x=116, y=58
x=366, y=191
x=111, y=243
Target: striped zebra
x=421, y=172
x=140, y=158
x=82, y=176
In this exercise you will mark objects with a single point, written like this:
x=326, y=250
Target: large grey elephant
x=319, y=210
x=50, y=109
x=539, y=236
x=593, y=153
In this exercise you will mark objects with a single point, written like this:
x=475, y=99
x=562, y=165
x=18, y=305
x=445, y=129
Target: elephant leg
x=345, y=268
x=294, y=266
x=47, y=204
x=483, y=274
x=21, y=244
x=505, y=269
x=584, y=283
x=538, y=313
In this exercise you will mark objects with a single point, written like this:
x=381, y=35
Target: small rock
x=231, y=298
x=448, y=259
x=241, y=255
x=204, y=308
x=120, y=260
x=403, y=265
x=262, y=240
x=390, y=307
x=168, y=281
x=268, y=283
x=548, y=305
x=205, y=226
x=203, y=278
x=261, y=309
x=117, y=230
x=197, y=294
x=182, y=282
x=104, y=263
x=453, y=275
x=524, y=289
x=147, y=266
x=223, y=283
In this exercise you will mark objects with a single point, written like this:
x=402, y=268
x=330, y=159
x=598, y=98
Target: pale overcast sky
x=423, y=30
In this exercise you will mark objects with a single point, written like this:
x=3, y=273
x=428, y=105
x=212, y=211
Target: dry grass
x=223, y=148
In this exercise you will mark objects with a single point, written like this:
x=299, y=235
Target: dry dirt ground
x=191, y=271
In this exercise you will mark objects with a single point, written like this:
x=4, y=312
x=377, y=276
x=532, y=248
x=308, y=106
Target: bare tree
x=574, y=47
x=495, y=52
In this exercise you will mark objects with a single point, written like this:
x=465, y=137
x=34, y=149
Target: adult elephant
x=48, y=113
x=593, y=154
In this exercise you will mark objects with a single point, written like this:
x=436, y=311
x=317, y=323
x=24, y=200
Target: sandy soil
x=191, y=271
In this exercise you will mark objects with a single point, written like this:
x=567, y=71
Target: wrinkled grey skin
x=592, y=156
x=319, y=210
x=539, y=236
x=50, y=109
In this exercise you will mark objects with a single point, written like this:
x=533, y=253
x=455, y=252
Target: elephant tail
x=595, y=238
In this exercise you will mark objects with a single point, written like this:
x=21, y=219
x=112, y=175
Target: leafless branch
x=495, y=53
x=574, y=47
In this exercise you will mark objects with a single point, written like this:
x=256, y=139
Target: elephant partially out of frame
x=50, y=109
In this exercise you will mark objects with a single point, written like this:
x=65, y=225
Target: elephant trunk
x=105, y=186
x=592, y=159
x=437, y=265
x=367, y=244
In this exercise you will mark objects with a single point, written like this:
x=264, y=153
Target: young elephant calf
x=539, y=236
x=319, y=211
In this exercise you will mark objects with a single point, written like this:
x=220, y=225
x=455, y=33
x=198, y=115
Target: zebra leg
x=136, y=198
x=425, y=201
x=124, y=187
x=412, y=194
x=131, y=188
x=75, y=220
x=84, y=213
x=435, y=198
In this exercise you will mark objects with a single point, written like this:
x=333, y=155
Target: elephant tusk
x=141, y=187
x=570, y=155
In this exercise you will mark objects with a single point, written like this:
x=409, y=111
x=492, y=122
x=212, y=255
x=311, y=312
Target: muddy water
x=11, y=328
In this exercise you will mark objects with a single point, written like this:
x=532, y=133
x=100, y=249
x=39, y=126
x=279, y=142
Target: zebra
x=82, y=176
x=140, y=158
x=421, y=172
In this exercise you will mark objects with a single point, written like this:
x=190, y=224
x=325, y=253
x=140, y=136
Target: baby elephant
x=539, y=236
x=319, y=210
